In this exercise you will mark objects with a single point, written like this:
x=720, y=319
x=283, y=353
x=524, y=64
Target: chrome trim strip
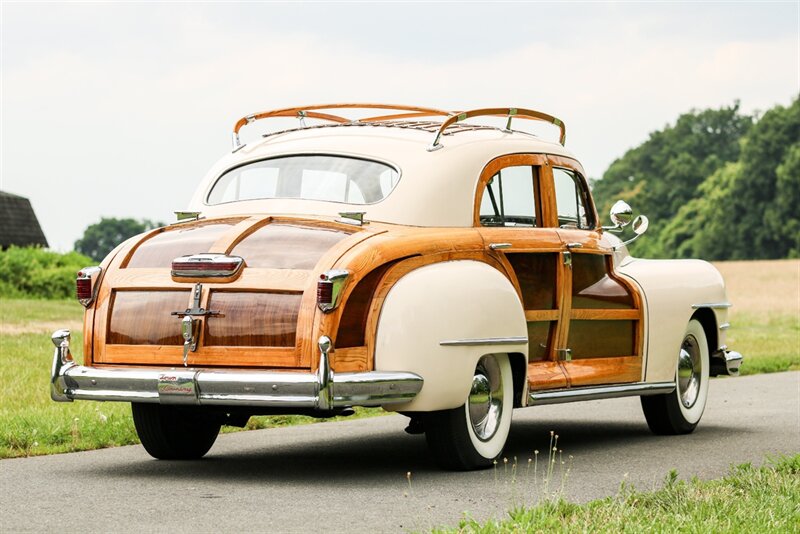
x=724, y=326
x=322, y=390
x=518, y=340
x=600, y=392
x=713, y=305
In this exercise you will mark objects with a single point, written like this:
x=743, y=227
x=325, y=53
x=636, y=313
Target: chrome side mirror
x=640, y=225
x=621, y=215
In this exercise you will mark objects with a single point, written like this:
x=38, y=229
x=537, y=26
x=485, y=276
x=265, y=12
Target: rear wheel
x=174, y=432
x=473, y=435
x=680, y=411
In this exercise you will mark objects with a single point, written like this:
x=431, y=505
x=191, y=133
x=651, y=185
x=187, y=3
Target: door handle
x=499, y=246
x=574, y=245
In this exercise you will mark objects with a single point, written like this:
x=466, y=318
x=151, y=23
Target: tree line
x=718, y=184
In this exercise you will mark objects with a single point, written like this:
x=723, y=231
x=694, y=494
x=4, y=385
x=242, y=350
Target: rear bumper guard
x=323, y=390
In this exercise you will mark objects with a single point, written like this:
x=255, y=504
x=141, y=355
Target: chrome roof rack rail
x=499, y=112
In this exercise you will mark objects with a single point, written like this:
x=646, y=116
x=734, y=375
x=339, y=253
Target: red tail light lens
x=329, y=289
x=86, y=284
x=324, y=292
x=83, y=288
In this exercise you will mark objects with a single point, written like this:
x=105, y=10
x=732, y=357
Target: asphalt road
x=352, y=476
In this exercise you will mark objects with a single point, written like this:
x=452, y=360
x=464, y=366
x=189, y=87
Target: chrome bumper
x=726, y=362
x=322, y=390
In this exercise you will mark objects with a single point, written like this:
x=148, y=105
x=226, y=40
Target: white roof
x=436, y=188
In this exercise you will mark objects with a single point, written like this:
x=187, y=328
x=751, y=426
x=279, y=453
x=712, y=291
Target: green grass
x=769, y=343
x=749, y=499
x=22, y=311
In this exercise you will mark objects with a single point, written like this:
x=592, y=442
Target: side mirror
x=640, y=225
x=621, y=215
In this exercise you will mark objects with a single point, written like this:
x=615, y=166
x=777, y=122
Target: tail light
x=206, y=266
x=86, y=285
x=329, y=289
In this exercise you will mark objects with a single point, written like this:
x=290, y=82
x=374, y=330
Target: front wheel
x=473, y=435
x=680, y=411
x=174, y=432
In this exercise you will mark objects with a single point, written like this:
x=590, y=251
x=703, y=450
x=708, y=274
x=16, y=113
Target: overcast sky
x=119, y=109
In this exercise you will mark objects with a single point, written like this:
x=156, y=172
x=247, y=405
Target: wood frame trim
x=499, y=163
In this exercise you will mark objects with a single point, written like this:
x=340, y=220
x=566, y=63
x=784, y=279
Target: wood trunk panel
x=205, y=356
x=145, y=317
x=159, y=250
x=252, y=319
x=284, y=246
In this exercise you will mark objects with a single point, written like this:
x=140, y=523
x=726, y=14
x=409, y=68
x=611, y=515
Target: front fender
x=674, y=290
x=459, y=300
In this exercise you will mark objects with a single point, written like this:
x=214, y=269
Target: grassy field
x=765, y=328
x=765, y=317
x=749, y=499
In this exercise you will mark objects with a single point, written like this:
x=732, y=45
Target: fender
x=463, y=301
x=674, y=291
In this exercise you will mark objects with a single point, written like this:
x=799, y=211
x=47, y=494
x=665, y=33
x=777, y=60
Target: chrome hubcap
x=689, y=369
x=485, y=403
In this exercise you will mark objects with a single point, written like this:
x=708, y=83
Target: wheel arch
x=439, y=319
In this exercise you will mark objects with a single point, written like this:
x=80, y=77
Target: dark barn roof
x=18, y=223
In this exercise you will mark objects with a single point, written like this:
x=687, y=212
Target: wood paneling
x=353, y=322
x=144, y=317
x=284, y=246
x=601, y=338
x=164, y=246
x=205, y=356
x=536, y=273
x=351, y=359
x=539, y=339
x=592, y=287
x=596, y=371
x=252, y=319
x=546, y=375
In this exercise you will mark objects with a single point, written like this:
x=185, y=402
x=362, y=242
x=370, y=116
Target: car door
x=510, y=214
x=600, y=332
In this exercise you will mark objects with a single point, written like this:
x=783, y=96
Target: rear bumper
x=322, y=390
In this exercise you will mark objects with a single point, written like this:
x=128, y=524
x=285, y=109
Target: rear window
x=311, y=177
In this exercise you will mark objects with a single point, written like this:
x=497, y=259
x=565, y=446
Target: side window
x=571, y=200
x=509, y=198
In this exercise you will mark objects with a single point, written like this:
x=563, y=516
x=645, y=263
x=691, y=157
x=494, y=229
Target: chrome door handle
x=499, y=246
x=574, y=245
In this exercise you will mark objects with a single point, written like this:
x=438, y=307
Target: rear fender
x=439, y=319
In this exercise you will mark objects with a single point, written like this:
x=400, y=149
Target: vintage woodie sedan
x=447, y=270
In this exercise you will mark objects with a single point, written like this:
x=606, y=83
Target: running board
x=599, y=392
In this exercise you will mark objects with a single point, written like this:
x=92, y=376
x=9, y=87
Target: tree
x=101, y=238
x=662, y=175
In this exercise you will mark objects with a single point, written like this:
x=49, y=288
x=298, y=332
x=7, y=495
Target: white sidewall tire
x=492, y=447
x=692, y=415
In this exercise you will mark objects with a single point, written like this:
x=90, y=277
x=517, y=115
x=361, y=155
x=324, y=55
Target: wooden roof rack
x=500, y=112
x=400, y=113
